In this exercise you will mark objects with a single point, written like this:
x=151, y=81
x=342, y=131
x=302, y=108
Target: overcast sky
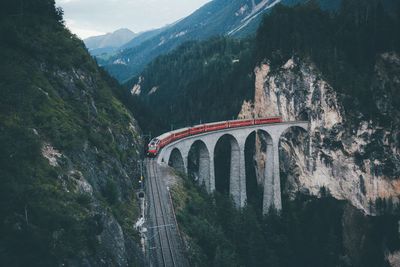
x=93, y=17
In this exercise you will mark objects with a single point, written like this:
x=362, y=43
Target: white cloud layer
x=93, y=17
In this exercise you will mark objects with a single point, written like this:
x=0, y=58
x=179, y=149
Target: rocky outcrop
x=92, y=148
x=353, y=157
x=103, y=169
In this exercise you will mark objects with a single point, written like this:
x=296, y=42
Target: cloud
x=62, y=2
x=93, y=16
x=80, y=32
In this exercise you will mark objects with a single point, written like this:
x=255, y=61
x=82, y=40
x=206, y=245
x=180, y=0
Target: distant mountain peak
x=109, y=42
x=123, y=30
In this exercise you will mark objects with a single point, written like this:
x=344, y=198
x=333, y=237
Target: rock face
x=95, y=170
x=354, y=158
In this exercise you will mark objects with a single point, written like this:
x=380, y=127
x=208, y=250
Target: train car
x=268, y=120
x=153, y=147
x=198, y=129
x=165, y=139
x=209, y=127
x=179, y=134
x=158, y=143
x=240, y=123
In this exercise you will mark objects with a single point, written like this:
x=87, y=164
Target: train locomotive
x=157, y=143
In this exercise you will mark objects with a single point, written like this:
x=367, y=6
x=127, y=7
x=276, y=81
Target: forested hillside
x=309, y=231
x=68, y=148
x=191, y=83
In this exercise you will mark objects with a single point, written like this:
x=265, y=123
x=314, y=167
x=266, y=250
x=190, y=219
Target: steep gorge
x=70, y=147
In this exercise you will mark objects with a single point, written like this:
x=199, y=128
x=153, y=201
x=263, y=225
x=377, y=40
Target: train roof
x=164, y=135
x=213, y=123
x=179, y=130
x=167, y=134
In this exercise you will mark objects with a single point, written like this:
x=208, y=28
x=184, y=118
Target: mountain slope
x=68, y=149
x=109, y=42
x=141, y=37
x=220, y=17
x=192, y=72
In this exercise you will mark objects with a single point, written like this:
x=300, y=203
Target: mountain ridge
x=237, y=19
x=214, y=18
x=109, y=42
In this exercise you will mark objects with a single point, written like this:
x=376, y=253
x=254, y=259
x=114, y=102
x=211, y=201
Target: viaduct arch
x=203, y=146
x=199, y=156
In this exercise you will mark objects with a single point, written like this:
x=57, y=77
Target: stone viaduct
x=176, y=155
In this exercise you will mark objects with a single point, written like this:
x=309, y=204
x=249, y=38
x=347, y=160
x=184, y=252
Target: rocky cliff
x=353, y=157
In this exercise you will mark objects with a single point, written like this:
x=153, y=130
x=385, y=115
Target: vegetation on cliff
x=344, y=45
x=309, y=231
x=67, y=147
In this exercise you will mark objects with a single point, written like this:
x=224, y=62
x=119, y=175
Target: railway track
x=166, y=247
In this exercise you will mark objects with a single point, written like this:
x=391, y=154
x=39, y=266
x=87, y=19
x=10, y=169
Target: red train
x=159, y=142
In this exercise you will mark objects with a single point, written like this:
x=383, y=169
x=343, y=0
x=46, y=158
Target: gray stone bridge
x=176, y=155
